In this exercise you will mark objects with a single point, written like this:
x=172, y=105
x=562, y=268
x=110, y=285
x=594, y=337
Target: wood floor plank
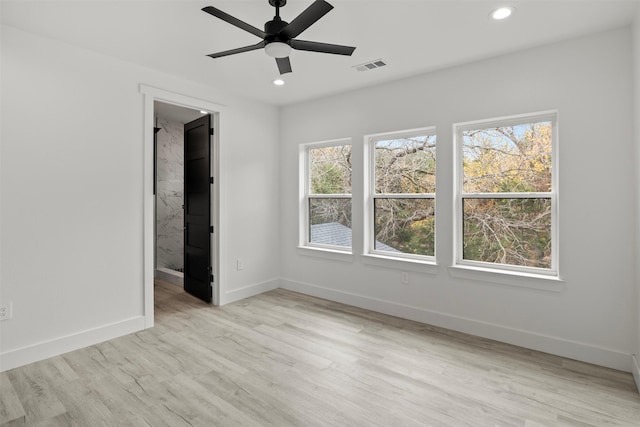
x=39, y=400
x=10, y=407
x=286, y=359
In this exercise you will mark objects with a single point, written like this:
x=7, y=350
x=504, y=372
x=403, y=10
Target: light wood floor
x=286, y=359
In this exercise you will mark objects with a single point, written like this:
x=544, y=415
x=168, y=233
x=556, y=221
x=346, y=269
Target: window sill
x=404, y=264
x=326, y=253
x=509, y=278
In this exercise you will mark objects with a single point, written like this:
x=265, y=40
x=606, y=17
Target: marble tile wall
x=169, y=200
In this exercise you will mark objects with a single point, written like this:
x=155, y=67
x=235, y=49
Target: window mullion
x=329, y=196
x=507, y=195
x=404, y=196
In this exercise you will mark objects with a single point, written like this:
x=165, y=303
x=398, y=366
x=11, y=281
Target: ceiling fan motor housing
x=272, y=28
x=277, y=3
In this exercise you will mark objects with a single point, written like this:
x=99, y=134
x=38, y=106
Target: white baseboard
x=170, y=276
x=527, y=339
x=249, y=291
x=635, y=370
x=33, y=353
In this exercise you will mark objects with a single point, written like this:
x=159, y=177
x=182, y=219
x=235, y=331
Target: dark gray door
x=197, y=208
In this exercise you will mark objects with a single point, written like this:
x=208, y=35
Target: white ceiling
x=412, y=36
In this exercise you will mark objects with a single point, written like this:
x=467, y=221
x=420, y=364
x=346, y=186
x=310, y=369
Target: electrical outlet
x=6, y=311
x=404, y=278
x=240, y=264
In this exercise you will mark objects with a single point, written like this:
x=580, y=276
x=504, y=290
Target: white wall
x=72, y=194
x=636, y=121
x=589, y=80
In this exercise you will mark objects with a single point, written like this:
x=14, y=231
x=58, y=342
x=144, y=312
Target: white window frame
x=305, y=195
x=458, y=129
x=371, y=195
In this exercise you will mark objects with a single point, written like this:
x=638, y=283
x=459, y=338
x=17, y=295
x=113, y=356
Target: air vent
x=372, y=65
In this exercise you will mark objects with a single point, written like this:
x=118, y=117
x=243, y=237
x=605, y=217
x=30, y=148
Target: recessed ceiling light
x=501, y=13
x=278, y=82
x=203, y=112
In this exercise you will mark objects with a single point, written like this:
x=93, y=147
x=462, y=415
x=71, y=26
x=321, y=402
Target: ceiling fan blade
x=322, y=47
x=284, y=65
x=238, y=50
x=317, y=10
x=234, y=21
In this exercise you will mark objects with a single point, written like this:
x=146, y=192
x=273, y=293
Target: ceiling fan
x=279, y=37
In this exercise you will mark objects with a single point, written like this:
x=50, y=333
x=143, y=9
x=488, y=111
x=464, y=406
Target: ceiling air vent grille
x=372, y=65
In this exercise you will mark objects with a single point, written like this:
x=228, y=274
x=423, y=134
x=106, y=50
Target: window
x=506, y=204
x=327, y=195
x=402, y=193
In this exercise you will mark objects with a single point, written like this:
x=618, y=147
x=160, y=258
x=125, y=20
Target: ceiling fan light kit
x=277, y=50
x=279, y=37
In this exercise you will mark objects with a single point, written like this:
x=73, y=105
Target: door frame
x=152, y=94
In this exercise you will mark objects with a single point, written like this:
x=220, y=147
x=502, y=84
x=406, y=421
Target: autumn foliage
x=506, y=193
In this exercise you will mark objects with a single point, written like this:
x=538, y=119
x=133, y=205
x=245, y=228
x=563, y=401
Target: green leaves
x=330, y=169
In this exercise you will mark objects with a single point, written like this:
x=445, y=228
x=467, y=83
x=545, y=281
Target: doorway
x=183, y=177
x=164, y=236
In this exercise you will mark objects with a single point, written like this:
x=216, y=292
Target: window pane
x=330, y=221
x=330, y=170
x=405, y=226
x=508, y=231
x=406, y=165
x=508, y=159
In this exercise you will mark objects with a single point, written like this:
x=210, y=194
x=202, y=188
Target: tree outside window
x=329, y=195
x=403, y=192
x=506, y=198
